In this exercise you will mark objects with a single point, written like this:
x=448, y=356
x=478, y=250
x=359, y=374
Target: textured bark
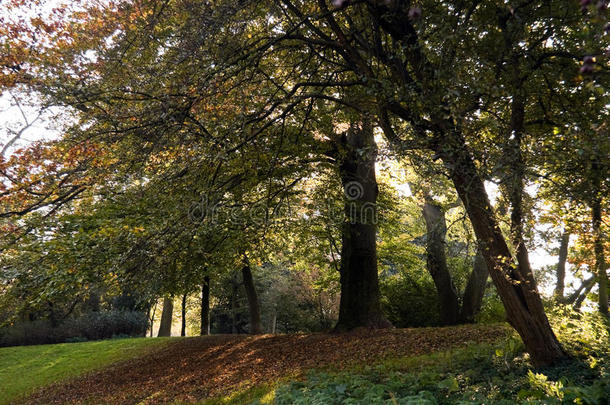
x=518, y=293
x=359, y=305
x=183, y=325
x=600, y=260
x=165, y=325
x=475, y=289
x=436, y=262
x=561, y=266
x=256, y=326
x=205, y=306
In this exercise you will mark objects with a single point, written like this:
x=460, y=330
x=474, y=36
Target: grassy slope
x=26, y=368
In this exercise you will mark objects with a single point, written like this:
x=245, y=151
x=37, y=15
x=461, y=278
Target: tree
x=165, y=325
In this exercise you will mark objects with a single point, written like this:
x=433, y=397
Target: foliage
x=91, y=326
x=24, y=369
x=477, y=374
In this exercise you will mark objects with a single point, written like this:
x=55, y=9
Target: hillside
x=197, y=368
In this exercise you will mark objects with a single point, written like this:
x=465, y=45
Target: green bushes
x=91, y=326
x=499, y=374
x=409, y=303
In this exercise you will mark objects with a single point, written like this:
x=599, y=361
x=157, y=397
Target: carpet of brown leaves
x=196, y=368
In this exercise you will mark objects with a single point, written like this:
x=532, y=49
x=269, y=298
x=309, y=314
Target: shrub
x=409, y=303
x=91, y=326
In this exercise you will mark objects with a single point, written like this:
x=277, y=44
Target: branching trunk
x=561, y=266
x=519, y=295
x=475, y=289
x=359, y=305
x=165, y=325
x=580, y=297
x=600, y=260
x=436, y=261
x=256, y=327
x=205, y=306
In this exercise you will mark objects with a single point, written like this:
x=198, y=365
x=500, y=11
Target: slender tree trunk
x=359, y=305
x=600, y=260
x=234, y=297
x=570, y=299
x=578, y=296
x=256, y=326
x=205, y=306
x=519, y=295
x=165, y=325
x=183, y=326
x=561, y=266
x=436, y=261
x=152, y=318
x=475, y=289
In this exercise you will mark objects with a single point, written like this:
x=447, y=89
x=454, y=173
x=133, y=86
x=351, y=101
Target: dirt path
x=195, y=368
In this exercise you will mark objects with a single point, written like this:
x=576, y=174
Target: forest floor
x=200, y=368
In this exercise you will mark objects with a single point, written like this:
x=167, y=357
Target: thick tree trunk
x=600, y=260
x=518, y=293
x=359, y=305
x=205, y=306
x=475, y=289
x=183, y=326
x=165, y=325
x=561, y=266
x=256, y=327
x=436, y=261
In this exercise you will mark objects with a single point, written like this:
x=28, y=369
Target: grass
x=24, y=369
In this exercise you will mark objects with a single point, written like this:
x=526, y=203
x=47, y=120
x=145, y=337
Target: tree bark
x=475, y=289
x=165, y=325
x=436, y=262
x=205, y=306
x=561, y=266
x=256, y=326
x=519, y=295
x=183, y=326
x=600, y=260
x=359, y=304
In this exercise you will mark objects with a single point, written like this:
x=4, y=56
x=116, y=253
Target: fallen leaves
x=196, y=368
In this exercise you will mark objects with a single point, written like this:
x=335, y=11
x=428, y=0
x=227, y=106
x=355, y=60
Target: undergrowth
x=483, y=373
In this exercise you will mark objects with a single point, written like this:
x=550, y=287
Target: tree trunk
x=436, y=262
x=600, y=260
x=165, y=325
x=205, y=306
x=183, y=326
x=256, y=327
x=234, y=297
x=359, y=304
x=519, y=295
x=561, y=266
x=578, y=296
x=475, y=289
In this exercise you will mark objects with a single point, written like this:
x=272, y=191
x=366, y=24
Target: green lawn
x=26, y=368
